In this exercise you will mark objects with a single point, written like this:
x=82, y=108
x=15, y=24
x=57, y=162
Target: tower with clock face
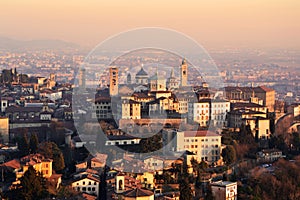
x=184, y=72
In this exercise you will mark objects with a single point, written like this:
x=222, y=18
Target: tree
x=51, y=150
x=151, y=144
x=23, y=145
x=203, y=166
x=195, y=166
x=229, y=155
x=184, y=185
x=33, y=144
x=32, y=186
x=7, y=75
x=103, y=185
x=296, y=140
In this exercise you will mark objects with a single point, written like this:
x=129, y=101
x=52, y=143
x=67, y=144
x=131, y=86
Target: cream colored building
x=260, y=127
x=154, y=163
x=199, y=112
x=219, y=110
x=294, y=109
x=87, y=184
x=157, y=83
x=205, y=144
x=224, y=190
x=130, y=109
x=237, y=117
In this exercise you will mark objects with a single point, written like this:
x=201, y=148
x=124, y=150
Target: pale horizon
x=212, y=23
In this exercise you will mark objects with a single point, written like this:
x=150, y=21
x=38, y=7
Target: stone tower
x=113, y=81
x=183, y=73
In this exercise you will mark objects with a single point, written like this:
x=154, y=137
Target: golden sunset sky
x=215, y=23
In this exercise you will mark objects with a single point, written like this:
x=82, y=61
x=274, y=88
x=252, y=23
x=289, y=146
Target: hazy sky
x=213, y=23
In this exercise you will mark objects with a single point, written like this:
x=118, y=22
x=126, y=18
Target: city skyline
x=216, y=23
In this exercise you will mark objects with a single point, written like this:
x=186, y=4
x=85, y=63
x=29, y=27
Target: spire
x=128, y=78
x=172, y=75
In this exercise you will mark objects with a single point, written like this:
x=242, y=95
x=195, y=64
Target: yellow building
x=4, y=127
x=146, y=179
x=38, y=162
x=130, y=109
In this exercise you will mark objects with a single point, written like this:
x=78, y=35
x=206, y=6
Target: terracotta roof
x=244, y=105
x=89, y=196
x=266, y=89
x=14, y=164
x=100, y=158
x=137, y=192
x=204, y=133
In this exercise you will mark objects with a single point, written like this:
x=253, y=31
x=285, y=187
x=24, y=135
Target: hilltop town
x=146, y=137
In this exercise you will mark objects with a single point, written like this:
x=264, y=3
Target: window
x=89, y=189
x=83, y=183
x=84, y=189
x=90, y=183
x=93, y=189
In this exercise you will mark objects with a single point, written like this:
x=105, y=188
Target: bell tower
x=113, y=81
x=184, y=73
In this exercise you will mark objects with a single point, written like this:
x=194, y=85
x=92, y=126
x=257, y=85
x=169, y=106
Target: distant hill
x=12, y=44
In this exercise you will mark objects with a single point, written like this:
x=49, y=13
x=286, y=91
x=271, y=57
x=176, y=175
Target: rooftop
x=202, y=133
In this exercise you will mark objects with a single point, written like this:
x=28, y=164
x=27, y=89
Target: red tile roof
x=138, y=193
x=199, y=133
x=14, y=164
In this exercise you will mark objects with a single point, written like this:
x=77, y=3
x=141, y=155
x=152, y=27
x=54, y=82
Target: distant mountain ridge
x=14, y=44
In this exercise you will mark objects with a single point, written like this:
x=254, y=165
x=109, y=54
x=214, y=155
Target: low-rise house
x=269, y=155
x=87, y=184
x=38, y=162
x=224, y=190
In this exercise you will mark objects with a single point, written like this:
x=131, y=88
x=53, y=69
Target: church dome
x=142, y=72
